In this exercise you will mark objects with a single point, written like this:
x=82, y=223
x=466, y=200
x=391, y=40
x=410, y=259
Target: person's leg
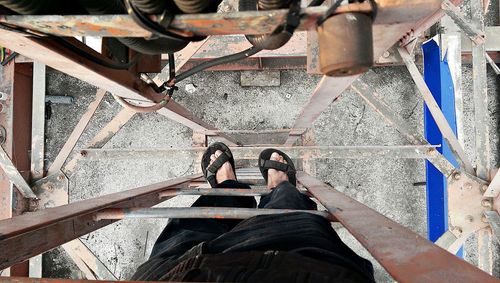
x=284, y=195
x=182, y=234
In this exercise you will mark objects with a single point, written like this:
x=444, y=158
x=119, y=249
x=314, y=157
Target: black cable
x=9, y=58
x=315, y=3
x=171, y=66
x=222, y=60
x=150, y=25
x=329, y=12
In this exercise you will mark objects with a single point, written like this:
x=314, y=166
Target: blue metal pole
x=438, y=78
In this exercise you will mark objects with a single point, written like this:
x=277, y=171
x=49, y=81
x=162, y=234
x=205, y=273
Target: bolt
x=386, y=54
x=486, y=203
x=469, y=218
x=83, y=153
x=458, y=229
x=50, y=187
x=60, y=177
x=484, y=219
x=456, y=176
x=484, y=188
x=467, y=186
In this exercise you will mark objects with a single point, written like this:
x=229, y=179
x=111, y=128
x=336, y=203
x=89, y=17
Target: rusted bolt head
x=50, y=187
x=456, y=176
x=83, y=153
x=486, y=203
x=386, y=54
x=469, y=218
x=60, y=177
x=458, y=229
x=467, y=186
x=484, y=188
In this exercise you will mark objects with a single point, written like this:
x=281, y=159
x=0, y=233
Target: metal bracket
x=466, y=204
x=52, y=191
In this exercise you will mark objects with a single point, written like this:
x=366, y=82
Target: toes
x=275, y=156
x=218, y=153
x=212, y=158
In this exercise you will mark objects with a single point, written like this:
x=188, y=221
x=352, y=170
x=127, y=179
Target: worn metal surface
x=437, y=114
x=345, y=45
x=407, y=256
x=494, y=220
x=464, y=204
x=77, y=132
x=476, y=35
x=347, y=152
x=38, y=122
x=14, y=176
x=407, y=130
x=217, y=192
x=31, y=234
x=492, y=63
x=492, y=43
x=260, y=78
x=197, y=212
x=493, y=189
x=480, y=91
x=52, y=191
x=252, y=22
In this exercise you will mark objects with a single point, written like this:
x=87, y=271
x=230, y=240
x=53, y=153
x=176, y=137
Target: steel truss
x=407, y=256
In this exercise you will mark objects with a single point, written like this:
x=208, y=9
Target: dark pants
x=302, y=233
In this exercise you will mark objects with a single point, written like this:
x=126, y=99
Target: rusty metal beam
x=119, y=82
x=31, y=234
x=251, y=22
x=407, y=256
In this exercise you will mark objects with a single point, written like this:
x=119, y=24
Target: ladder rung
x=197, y=212
x=260, y=191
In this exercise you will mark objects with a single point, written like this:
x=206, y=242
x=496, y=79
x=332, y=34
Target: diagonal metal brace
x=14, y=176
x=477, y=36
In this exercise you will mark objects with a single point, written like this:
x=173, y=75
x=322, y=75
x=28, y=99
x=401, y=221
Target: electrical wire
x=222, y=60
x=163, y=102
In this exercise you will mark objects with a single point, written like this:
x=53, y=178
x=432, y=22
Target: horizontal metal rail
x=214, y=192
x=341, y=152
x=197, y=212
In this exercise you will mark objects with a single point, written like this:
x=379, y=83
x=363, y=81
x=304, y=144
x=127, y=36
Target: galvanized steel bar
x=493, y=189
x=14, y=176
x=437, y=114
x=215, y=192
x=341, y=152
x=494, y=219
x=38, y=122
x=407, y=256
x=480, y=91
x=472, y=31
x=197, y=212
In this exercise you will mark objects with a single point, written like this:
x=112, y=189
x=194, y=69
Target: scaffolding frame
x=407, y=256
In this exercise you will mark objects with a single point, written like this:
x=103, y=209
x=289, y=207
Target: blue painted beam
x=438, y=78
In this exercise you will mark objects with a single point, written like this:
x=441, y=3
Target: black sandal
x=265, y=164
x=210, y=171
